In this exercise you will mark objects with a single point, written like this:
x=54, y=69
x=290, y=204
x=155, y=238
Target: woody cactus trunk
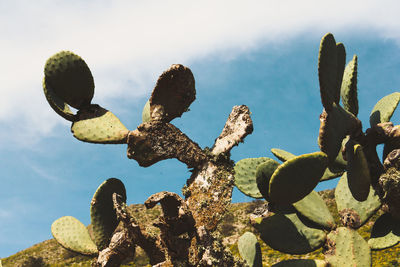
x=187, y=225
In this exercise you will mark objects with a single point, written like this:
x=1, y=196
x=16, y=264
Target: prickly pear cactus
x=250, y=250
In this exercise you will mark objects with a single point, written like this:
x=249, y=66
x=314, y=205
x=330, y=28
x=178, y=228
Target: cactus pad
x=350, y=249
x=281, y=154
x=57, y=104
x=98, y=125
x=349, y=87
x=250, y=250
x=301, y=263
x=173, y=93
x=73, y=235
x=313, y=207
x=385, y=232
x=102, y=213
x=288, y=234
x=358, y=176
x=349, y=207
x=245, y=176
x=297, y=177
x=263, y=176
x=146, y=112
x=384, y=109
x=70, y=78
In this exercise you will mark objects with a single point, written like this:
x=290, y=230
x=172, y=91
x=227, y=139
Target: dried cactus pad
x=384, y=109
x=73, y=235
x=245, y=176
x=263, y=176
x=349, y=87
x=102, y=213
x=250, y=250
x=385, y=232
x=327, y=71
x=288, y=234
x=70, y=78
x=350, y=249
x=347, y=205
x=297, y=177
x=313, y=207
x=57, y=104
x=173, y=93
x=301, y=263
x=98, y=125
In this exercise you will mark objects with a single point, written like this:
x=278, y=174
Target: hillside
x=235, y=223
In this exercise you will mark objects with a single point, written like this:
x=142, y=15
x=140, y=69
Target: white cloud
x=132, y=42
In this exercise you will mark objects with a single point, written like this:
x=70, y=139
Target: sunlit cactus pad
x=288, y=234
x=174, y=92
x=350, y=249
x=146, y=112
x=102, y=213
x=384, y=109
x=347, y=203
x=263, y=176
x=250, y=249
x=297, y=177
x=349, y=87
x=245, y=176
x=73, y=235
x=385, y=232
x=313, y=207
x=98, y=125
x=70, y=78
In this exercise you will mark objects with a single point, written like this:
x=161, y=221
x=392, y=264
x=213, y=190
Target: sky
x=259, y=53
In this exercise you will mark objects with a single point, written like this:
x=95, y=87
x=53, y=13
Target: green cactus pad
x=283, y=156
x=327, y=70
x=385, y=233
x=146, y=112
x=301, y=263
x=313, y=207
x=335, y=125
x=288, y=234
x=297, y=177
x=349, y=87
x=102, y=213
x=70, y=78
x=73, y=235
x=245, y=176
x=57, y=104
x=350, y=249
x=98, y=125
x=358, y=175
x=341, y=64
x=173, y=93
x=384, y=109
x=263, y=176
x=250, y=250
x=347, y=205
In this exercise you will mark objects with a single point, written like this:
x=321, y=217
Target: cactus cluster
x=298, y=221
x=73, y=235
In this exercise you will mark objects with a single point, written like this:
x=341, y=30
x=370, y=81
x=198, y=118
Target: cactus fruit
x=73, y=235
x=173, y=93
x=358, y=176
x=384, y=108
x=245, y=175
x=250, y=250
x=297, y=177
x=264, y=173
x=355, y=212
x=385, y=232
x=301, y=263
x=103, y=217
x=98, y=125
x=350, y=249
x=349, y=87
x=313, y=207
x=70, y=79
x=289, y=234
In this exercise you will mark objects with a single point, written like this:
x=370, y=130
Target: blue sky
x=262, y=54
